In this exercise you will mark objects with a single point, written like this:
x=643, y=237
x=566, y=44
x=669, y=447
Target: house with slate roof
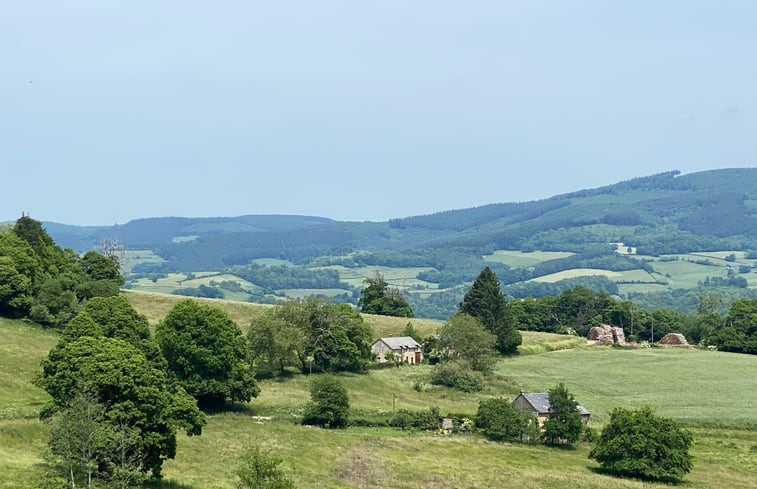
x=538, y=404
x=404, y=348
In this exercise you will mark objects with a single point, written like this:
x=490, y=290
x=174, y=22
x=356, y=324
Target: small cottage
x=538, y=404
x=403, y=348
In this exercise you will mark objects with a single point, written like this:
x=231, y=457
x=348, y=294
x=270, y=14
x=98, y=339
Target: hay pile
x=605, y=334
x=674, y=339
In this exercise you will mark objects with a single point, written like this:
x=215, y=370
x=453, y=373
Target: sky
x=361, y=110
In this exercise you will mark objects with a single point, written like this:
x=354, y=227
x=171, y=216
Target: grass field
x=628, y=275
x=516, y=259
x=714, y=393
x=401, y=277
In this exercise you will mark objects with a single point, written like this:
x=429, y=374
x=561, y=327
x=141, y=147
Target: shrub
x=421, y=420
x=259, y=469
x=498, y=419
x=329, y=404
x=637, y=443
x=457, y=375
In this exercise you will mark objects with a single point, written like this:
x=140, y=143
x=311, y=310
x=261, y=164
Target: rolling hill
x=641, y=237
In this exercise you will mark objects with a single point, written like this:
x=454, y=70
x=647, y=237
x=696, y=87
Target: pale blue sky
x=114, y=110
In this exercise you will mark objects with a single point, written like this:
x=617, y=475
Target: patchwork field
x=714, y=392
x=401, y=277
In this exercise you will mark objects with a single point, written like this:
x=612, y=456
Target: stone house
x=538, y=404
x=404, y=348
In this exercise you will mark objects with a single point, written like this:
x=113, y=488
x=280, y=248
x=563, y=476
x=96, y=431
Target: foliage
x=464, y=338
x=275, y=342
x=457, y=375
x=638, y=443
x=134, y=391
x=259, y=469
x=564, y=422
x=329, y=404
x=498, y=419
x=378, y=298
x=427, y=420
x=332, y=337
x=207, y=353
x=486, y=302
x=40, y=280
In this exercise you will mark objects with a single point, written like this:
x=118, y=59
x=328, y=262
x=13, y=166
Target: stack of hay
x=605, y=334
x=674, y=339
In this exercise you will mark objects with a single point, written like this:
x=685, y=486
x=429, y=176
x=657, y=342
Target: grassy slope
x=366, y=457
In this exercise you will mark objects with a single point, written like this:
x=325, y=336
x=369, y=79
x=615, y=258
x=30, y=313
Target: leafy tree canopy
x=564, y=422
x=378, y=298
x=638, y=443
x=134, y=390
x=207, y=353
x=463, y=338
x=498, y=419
x=329, y=404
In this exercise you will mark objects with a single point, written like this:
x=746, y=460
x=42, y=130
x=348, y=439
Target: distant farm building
x=402, y=348
x=538, y=404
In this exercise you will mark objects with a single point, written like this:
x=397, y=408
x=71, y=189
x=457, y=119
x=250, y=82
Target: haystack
x=604, y=334
x=675, y=339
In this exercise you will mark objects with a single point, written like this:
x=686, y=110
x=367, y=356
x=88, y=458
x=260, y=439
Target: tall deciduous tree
x=464, y=338
x=207, y=353
x=486, y=302
x=564, y=422
x=638, y=443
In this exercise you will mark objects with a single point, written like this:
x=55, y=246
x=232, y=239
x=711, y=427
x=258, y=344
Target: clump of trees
x=207, y=353
x=312, y=335
x=45, y=283
x=329, y=403
x=638, y=443
x=107, y=364
x=378, y=298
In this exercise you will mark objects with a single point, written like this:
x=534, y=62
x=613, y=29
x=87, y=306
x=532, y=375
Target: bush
x=259, y=469
x=637, y=443
x=329, y=404
x=457, y=375
x=498, y=419
x=421, y=420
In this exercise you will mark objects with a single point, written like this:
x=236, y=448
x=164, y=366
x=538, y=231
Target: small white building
x=404, y=348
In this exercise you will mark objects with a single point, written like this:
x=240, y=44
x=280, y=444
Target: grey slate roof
x=540, y=402
x=400, y=342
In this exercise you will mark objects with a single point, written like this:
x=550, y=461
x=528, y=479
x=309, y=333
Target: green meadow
x=714, y=394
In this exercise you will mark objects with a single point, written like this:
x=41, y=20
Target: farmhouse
x=538, y=404
x=404, y=348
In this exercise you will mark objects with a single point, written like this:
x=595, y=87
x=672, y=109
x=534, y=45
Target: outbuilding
x=538, y=404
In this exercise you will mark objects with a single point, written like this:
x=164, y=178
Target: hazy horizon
x=113, y=112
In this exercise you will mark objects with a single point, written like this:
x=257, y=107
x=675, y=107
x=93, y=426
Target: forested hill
x=663, y=213
x=621, y=238
x=152, y=231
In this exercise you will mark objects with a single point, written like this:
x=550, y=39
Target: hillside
x=644, y=239
x=714, y=394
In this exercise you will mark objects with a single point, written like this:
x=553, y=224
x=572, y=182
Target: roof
x=400, y=342
x=540, y=402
